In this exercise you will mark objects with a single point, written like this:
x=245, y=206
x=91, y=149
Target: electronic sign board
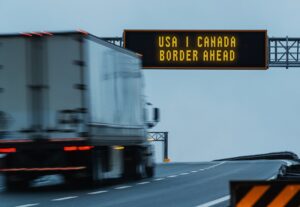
x=199, y=49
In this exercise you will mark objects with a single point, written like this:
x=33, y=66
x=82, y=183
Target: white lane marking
x=122, y=187
x=28, y=205
x=214, y=202
x=143, y=183
x=64, y=198
x=194, y=171
x=97, y=192
x=158, y=179
x=213, y=166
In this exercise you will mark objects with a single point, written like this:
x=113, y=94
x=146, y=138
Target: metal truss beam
x=114, y=40
x=284, y=52
x=160, y=137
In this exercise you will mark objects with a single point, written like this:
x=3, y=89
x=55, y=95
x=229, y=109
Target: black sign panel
x=212, y=49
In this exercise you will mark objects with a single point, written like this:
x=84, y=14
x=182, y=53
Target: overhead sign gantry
x=282, y=51
x=199, y=49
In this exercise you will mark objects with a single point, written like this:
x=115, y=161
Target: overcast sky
x=209, y=114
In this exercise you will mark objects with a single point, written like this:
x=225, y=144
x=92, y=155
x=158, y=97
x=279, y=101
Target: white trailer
x=73, y=104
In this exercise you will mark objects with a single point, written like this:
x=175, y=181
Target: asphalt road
x=202, y=184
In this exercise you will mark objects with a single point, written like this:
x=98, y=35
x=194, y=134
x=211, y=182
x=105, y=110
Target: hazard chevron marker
x=265, y=193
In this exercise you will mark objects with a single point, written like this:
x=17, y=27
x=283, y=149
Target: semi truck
x=72, y=104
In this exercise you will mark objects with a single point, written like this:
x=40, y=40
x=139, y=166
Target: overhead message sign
x=212, y=49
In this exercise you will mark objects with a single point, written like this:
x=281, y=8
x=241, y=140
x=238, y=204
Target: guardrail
x=267, y=156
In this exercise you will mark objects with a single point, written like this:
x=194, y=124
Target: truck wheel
x=150, y=171
x=140, y=170
x=70, y=179
x=93, y=175
x=16, y=183
x=96, y=172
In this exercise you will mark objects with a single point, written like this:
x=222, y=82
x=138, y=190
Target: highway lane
x=175, y=184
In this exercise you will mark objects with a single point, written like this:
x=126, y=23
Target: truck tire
x=95, y=174
x=134, y=163
x=140, y=170
x=92, y=176
x=16, y=183
x=150, y=171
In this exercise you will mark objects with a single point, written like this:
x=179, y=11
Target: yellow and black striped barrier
x=265, y=193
